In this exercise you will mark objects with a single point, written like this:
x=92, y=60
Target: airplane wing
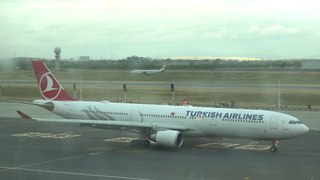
x=103, y=124
x=118, y=124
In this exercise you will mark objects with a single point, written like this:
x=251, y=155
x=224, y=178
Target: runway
x=37, y=150
x=161, y=84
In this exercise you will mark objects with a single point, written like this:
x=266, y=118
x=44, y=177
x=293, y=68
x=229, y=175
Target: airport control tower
x=57, y=52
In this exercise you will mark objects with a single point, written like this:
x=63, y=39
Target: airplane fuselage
x=150, y=71
x=202, y=121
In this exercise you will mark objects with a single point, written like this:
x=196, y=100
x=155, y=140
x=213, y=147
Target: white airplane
x=164, y=124
x=149, y=72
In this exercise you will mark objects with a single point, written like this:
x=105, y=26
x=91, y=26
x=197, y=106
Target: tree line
x=136, y=62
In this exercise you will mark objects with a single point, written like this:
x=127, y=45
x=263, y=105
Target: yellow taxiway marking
x=250, y=146
x=47, y=135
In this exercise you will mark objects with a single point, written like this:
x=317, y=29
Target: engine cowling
x=169, y=138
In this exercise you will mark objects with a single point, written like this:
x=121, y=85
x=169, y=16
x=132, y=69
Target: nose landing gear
x=274, y=146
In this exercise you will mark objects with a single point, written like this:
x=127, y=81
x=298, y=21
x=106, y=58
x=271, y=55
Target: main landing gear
x=274, y=146
x=140, y=143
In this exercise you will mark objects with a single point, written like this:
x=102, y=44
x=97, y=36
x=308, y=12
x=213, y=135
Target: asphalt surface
x=37, y=150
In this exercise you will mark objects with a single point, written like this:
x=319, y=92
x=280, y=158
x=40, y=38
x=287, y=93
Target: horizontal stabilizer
x=23, y=115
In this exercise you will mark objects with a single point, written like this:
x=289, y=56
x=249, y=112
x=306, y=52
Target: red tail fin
x=49, y=87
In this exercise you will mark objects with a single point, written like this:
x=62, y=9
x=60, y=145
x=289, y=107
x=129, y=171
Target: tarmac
x=38, y=150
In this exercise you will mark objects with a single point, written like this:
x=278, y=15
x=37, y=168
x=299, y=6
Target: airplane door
x=274, y=122
x=135, y=116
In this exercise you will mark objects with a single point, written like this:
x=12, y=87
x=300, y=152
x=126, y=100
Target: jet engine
x=168, y=138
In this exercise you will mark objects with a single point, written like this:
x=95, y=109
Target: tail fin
x=163, y=68
x=49, y=87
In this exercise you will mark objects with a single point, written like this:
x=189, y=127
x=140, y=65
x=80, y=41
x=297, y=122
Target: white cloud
x=167, y=23
x=274, y=29
x=279, y=29
x=282, y=6
x=317, y=33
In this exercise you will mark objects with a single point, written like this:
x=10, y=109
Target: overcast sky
x=160, y=28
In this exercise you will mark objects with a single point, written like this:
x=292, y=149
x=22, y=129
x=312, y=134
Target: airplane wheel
x=134, y=143
x=273, y=149
x=146, y=143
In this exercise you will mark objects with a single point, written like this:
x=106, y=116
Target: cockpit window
x=295, y=122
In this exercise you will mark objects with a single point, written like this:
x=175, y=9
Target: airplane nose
x=304, y=128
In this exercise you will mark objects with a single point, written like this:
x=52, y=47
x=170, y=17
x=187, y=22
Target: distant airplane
x=164, y=124
x=149, y=72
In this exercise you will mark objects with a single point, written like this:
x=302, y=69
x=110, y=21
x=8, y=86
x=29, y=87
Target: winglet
x=23, y=115
x=163, y=68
